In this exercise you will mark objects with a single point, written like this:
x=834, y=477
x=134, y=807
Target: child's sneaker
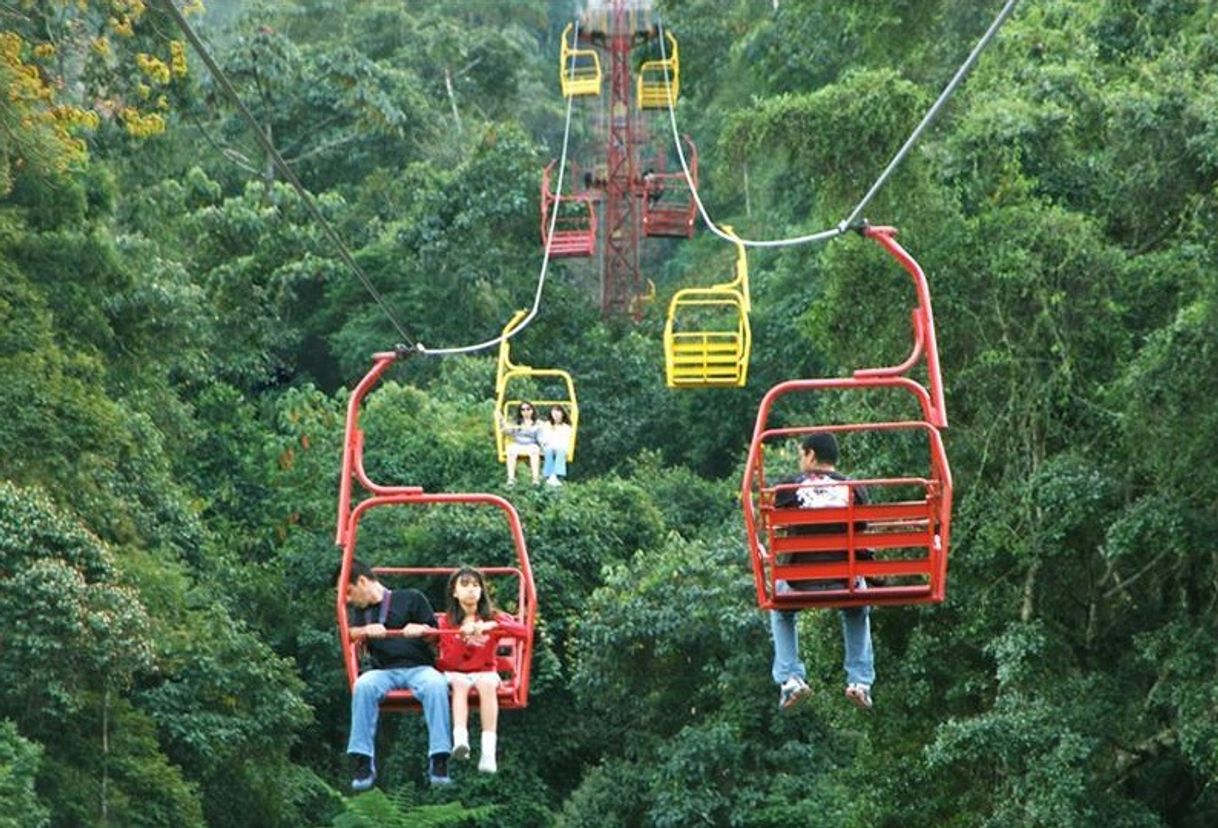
x=486, y=764
x=860, y=694
x=793, y=689
x=461, y=751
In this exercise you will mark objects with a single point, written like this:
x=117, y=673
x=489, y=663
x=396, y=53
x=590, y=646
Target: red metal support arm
x=923, y=320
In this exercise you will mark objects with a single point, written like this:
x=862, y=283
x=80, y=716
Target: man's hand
x=368, y=631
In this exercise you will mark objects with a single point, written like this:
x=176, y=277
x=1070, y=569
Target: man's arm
x=370, y=631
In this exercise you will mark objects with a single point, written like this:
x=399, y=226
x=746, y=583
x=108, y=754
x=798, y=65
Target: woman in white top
x=555, y=442
x=526, y=440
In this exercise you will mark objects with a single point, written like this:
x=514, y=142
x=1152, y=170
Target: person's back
x=821, y=489
x=820, y=486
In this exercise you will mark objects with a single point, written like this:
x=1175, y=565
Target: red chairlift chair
x=668, y=200
x=575, y=226
x=900, y=539
x=514, y=657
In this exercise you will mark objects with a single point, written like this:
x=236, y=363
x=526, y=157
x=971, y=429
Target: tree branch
x=231, y=154
x=320, y=148
x=452, y=98
x=1122, y=585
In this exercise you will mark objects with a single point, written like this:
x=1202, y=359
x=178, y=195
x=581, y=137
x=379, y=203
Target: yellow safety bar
x=640, y=300
x=653, y=87
x=507, y=406
x=710, y=355
x=579, y=70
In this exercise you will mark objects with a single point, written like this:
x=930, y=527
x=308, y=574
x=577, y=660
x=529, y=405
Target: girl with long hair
x=467, y=659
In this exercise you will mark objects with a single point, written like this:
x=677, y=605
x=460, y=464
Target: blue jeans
x=428, y=686
x=856, y=635
x=556, y=463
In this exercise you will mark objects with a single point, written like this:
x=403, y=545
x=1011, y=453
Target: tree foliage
x=177, y=333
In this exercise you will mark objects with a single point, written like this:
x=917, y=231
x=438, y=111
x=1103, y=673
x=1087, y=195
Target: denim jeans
x=428, y=686
x=856, y=635
x=556, y=463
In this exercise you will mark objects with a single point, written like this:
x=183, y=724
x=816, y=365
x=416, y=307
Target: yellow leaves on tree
x=46, y=56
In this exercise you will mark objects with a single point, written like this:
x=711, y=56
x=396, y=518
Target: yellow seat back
x=659, y=78
x=579, y=70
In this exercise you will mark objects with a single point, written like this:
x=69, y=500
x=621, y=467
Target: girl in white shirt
x=555, y=442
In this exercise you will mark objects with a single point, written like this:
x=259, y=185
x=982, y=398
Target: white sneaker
x=486, y=764
x=461, y=750
x=553, y=480
x=793, y=689
x=860, y=694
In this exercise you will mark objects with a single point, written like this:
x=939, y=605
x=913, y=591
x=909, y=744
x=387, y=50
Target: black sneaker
x=437, y=771
x=363, y=772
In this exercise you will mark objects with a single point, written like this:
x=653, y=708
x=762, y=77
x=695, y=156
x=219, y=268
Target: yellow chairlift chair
x=579, y=70
x=653, y=86
x=707, y=337
x=511, y=377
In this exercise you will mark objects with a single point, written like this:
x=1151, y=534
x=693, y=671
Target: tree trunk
x=105, y=805
x=452, y=98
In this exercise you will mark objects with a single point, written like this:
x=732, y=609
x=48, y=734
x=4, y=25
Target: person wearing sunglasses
x=526, y=442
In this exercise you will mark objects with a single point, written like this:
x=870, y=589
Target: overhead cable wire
x=269, y=147
x=545, y=259
x=846, y=223
x=411, y=341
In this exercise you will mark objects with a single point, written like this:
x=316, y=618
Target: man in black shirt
x=398, y=662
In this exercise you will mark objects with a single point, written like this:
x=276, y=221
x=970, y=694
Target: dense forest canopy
x=178, y=334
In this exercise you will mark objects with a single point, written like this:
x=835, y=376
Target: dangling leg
x=488, y=706
x=459, y=686
x=430, y=688
x=860, y=658
x=369, y=690
x=786, y=647
x=366, y=696
x=513, y=455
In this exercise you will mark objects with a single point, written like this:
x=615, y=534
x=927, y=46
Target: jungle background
x=178, y=337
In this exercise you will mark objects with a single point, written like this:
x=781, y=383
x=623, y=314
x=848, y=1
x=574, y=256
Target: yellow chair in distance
x=653, y=86
x=707, y=338
x=579, y=70
x=507, y=405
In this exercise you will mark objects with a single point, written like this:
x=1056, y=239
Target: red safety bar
x=574, y=228
x=515, y=657
x=899, y=540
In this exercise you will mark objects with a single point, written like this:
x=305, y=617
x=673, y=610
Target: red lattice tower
x=618, y=28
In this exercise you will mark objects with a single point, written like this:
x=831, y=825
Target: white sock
x=460, y=736
x=486, y=761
